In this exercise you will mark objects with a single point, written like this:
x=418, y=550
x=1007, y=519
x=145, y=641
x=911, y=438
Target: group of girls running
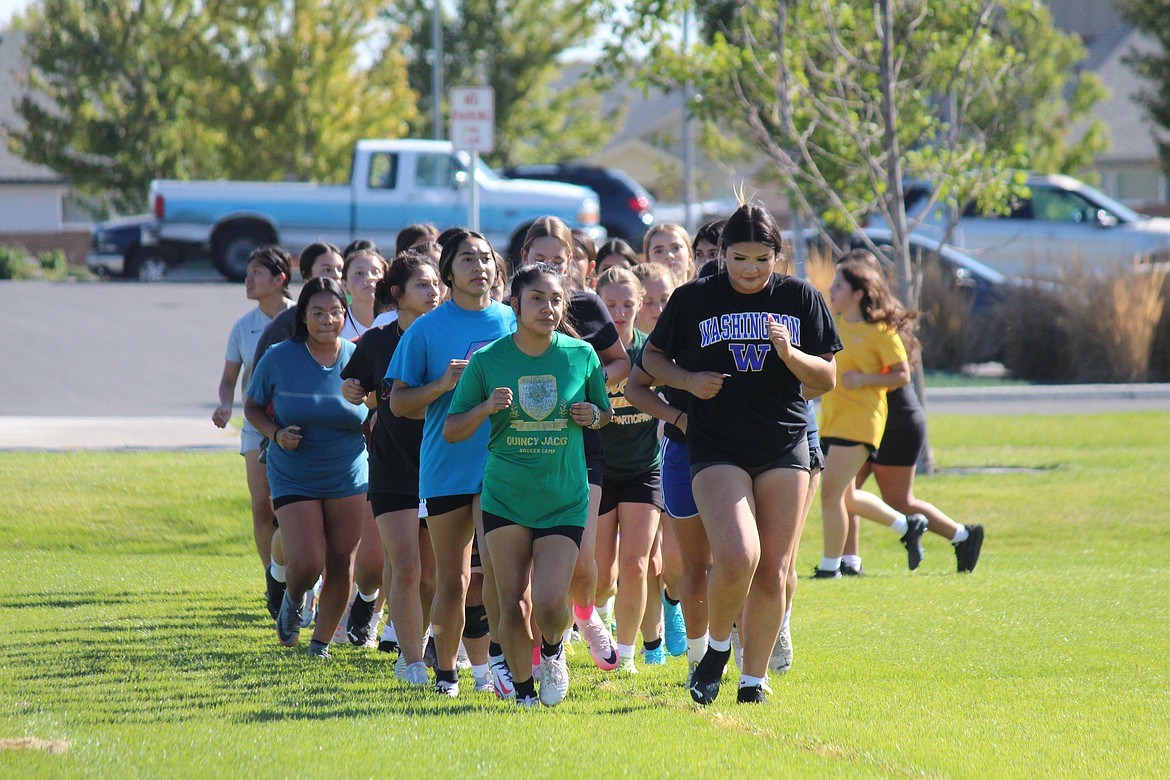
x=628, y=429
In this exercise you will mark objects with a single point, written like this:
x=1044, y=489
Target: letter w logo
x=749, y=357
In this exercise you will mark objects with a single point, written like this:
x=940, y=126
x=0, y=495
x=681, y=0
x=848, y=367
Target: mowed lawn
x=133, y=639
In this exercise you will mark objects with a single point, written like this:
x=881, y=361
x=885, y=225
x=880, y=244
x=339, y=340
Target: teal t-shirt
x=535, y=473
x=631, y=438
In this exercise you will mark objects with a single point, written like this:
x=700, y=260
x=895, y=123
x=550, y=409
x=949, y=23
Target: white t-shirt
x=242, y=341
x=385, y=318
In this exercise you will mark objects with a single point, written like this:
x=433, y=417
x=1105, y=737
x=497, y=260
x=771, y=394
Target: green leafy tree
x=516, y=47
x=120, y=92
x=1153, y=19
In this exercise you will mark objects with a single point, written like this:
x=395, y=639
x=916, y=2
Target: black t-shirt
x=708, y=326
x=590, y=318
x=395, y=441
x=282, y=328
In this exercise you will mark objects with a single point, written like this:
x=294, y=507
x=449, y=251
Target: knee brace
x=475, y=622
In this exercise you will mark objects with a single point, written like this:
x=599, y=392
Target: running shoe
x=528, y=701
x=554, y=679
x=319, y=649
x=416, y=674
x=400, y=667
x=309, y=607
x=461, y=659
x=751, y=694
x=656, y=657
x=912, y=540
x=676, y=627
x=288, y=622
x=340, y=637
x=362, y=624
x=707, y=676
x=781, y=660
x=601, y=644
x=536, y=663
x=848, y=571
x=967, y=551
x=484, y=684
x=626, y=665
x=736, y=648
x=273, y=593
x=449, y=689
x=389, y=641
x=821, y=574
x=502, y=679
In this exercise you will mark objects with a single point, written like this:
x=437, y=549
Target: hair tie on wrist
x=676, y=419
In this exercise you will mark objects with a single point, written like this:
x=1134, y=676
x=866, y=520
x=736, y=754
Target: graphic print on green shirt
x=631, y=438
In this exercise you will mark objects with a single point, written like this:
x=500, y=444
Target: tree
x=120, y=92
x=515, y=47
x=1153, y=19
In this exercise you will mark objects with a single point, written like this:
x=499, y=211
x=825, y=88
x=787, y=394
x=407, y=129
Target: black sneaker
x=751, y=694
x=319, y=649
x=361, y=613
x=821, y=574
x=273, y=594
x=912, y=540
x=849, y=571
x=288, y=622
x=967, y=551
x=705, y=680
x=388, y=646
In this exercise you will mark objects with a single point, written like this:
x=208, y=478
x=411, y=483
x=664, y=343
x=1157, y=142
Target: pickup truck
x=393, y=183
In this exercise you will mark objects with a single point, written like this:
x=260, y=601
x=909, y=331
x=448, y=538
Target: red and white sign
x=473, y=118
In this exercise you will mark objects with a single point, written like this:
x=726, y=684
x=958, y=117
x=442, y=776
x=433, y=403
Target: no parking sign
x=473, y=118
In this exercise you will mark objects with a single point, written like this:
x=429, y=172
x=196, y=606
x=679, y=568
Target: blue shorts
x=676, y=480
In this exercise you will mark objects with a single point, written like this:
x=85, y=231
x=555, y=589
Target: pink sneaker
x=600, y=642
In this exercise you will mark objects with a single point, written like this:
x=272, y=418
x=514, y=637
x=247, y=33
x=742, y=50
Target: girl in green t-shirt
x=539, y=387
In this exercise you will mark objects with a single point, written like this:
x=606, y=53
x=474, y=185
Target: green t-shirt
x=535, y=473
x=631, y=438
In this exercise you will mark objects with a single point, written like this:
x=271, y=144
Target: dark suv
x=625, y=204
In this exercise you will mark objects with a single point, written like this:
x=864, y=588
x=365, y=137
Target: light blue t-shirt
x=330, y=461
x=427, y=347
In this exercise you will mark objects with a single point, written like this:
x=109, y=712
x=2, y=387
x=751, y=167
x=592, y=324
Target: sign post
x=473, y=122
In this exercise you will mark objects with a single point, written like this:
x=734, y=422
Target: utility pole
x=688, y=147
x=437, y=70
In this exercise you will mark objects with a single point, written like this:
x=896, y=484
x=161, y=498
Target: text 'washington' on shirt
x=330, y=461
x=631, y=438
x=395, y=442
x=427, y=348
x=535, y=473
x=708, y=326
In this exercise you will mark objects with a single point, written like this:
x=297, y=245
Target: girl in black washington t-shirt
x=742, y=342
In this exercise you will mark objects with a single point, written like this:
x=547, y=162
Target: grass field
x=134, y=642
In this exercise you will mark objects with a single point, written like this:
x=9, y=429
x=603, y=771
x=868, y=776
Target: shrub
x=1160, y=341
x=14, y=263
x=54, y=264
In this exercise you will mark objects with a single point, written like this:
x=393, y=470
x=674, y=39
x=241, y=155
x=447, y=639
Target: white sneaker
x=461, y=660
x=737, y=648
x=781, y=660
x=400, y=668
x=626, y=665
x=502, y=679
x=554, y=679
x=485, y=684
x=416, y=674
x=309, y=605
x=528, y=701
x=450, y=689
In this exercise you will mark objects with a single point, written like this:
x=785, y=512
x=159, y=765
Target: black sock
x=669, y=600
x=526, y=689
x=442, y=675
x=315, y=645
x=547, y=650
x=713, y=663
x=494, y=649
x=653, y=645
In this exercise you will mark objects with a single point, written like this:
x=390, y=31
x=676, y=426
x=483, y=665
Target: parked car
x=394, y=183
x=625, y=204
x=129, y=247
x=1064, y=225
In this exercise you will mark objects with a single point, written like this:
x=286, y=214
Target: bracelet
x=676, y=419
x=596, y=418
x=277, y=433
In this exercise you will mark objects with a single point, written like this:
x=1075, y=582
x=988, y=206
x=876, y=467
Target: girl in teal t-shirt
x=539, y=387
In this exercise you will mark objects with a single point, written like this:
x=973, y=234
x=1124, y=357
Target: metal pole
x=687, y=143
x=437, y=70
x=473, y=213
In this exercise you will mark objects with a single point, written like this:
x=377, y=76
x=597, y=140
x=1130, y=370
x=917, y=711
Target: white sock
x=721, y=645
x=603, y=610
x=370, y=599
x=960, y=535
x=388, y=632
x=625, y=651
x=479, y=671
x=830, y=564
x=696, y=648
x=747, y=681
x=852, y=561
x=277, y=571
x=899, y=526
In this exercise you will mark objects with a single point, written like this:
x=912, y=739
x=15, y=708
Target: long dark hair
x=752, y=223
x=861, y=270
x=527, y=274
x=401, y=270
x=311, y=288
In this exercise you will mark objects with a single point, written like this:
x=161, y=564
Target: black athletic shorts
x=827, y=443
x=291, y=498
x=646, y=488
x=382, y=503
x=795, y=458
x=575, y=532
x=441, y=505
x=816, y=460
x=902, y=442
x=594, y=457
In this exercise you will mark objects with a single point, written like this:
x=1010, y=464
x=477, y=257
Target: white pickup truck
x=393, y=183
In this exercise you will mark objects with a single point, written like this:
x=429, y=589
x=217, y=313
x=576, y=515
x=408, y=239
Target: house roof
x=12, y=168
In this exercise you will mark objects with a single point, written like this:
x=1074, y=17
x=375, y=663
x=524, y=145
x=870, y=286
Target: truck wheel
x=148, y=264
x=234, y=249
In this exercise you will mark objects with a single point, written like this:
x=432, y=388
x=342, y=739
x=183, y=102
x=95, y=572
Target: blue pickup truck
x=393, y=183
